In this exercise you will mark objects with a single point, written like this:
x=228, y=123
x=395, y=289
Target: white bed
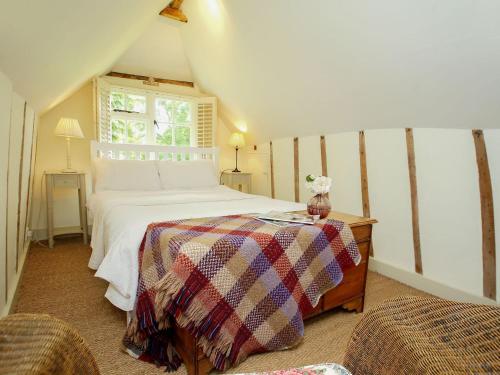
x=121, y=218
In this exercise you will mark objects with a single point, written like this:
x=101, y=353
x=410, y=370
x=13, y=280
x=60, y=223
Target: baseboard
x=11, y=301
x=425, y=284
x=41, y=234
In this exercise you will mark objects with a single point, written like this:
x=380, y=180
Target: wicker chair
x=413, y=335
x=41, y=344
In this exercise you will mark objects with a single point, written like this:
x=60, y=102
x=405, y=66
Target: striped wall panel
x=423, y=187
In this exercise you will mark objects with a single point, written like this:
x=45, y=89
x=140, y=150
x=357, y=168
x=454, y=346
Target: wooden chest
x=350, y=294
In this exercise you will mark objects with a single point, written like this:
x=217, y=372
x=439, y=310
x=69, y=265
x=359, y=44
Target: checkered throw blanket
x=239, y=285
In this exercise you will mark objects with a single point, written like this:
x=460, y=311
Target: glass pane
x=163, y=134
x=118, y=130
x=136, y=132
x=165, y=110
x=136, y=103
x=182, y=113
x=182, y=136
x=117, y=100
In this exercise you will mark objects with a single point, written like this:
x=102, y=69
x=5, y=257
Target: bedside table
x=238, y=179
x=54, y=179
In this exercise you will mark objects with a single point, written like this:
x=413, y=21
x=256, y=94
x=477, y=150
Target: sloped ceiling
x=296, y=68
x=158, y=52
x=50, y=48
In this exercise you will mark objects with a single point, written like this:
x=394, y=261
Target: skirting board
x=41, y=234
x=13, y=290
x=425, y=284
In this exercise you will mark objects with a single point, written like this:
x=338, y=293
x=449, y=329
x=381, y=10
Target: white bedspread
x=121, y=218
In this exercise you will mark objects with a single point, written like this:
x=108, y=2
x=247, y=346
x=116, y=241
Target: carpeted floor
x=58, y=282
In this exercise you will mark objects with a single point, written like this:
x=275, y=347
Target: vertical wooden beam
x=487, y=216
x=273, y=192
x=296, y=177
x=324, y=165
x=7, y=215
x=20, y=188
x=30, y=180
x=412, y=171
x=364, y=178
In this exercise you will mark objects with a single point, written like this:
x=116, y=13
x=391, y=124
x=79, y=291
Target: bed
x=121, y=216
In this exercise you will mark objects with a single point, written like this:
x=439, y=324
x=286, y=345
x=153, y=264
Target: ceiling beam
x=151, y=80
x=173, y=10
x=176, y=4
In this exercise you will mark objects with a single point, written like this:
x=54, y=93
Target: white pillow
x=187, y=174
x=126, y=175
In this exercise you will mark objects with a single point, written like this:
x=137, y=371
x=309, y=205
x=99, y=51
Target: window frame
x=149, y=117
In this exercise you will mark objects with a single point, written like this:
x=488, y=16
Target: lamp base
x=69, y=170
x=236, y=170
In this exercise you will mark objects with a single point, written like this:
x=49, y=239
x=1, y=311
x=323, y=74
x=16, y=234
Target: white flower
x=320, y=185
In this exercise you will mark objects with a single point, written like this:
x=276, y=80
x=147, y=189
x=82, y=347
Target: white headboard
x=152, y=152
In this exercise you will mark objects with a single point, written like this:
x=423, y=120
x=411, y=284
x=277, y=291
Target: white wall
x=389, y=190
x=49, y=50
x=450, y=208
x=51, y=154
x=17, y=123
x=295, y=68
x=448, y=199
x=343, y=167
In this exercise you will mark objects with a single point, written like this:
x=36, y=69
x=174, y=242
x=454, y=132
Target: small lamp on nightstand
x=237, y=140
x=68, y=128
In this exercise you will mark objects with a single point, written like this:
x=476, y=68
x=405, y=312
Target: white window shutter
x=206, y=120
x=103, y=118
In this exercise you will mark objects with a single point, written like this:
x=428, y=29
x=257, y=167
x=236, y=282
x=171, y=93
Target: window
x=165, y=121
x=173, y=122
x=142, y=116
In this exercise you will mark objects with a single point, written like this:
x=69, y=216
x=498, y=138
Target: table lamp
x=237, y=140
x=68, y=128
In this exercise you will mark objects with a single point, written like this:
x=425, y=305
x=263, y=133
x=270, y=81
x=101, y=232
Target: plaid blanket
x=239, y=285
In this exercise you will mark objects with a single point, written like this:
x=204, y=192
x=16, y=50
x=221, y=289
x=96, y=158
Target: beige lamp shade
x=68, y=127
x=237, y=140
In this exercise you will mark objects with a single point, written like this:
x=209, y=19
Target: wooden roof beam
x=173, y=10
x=152, y=81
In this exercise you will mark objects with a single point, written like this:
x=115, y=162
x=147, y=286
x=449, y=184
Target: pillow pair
x=149, y=175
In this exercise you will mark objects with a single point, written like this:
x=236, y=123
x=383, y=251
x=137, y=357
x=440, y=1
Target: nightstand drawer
x=66, y=181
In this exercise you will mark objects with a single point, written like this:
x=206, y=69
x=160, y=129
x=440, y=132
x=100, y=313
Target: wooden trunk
x=350, y=294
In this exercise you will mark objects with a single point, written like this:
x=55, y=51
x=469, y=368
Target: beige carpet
x=58, y=282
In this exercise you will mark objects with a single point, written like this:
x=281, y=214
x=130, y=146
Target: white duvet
x=121, y=218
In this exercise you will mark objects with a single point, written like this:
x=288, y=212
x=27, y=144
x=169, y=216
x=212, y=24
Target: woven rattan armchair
x=414, y=335
x=41, y=344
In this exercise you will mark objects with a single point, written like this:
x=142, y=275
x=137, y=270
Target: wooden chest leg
x=356, y=304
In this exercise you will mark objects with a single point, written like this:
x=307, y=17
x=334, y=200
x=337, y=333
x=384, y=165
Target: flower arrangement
x=318, y=185
x=319, y=205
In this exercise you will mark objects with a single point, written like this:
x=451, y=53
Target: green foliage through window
x=169, y=123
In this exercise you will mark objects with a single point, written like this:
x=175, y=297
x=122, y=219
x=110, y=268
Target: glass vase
x=319, y=205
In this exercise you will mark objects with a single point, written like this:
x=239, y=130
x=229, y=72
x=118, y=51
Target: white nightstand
x=54, y=179
x=237, y=179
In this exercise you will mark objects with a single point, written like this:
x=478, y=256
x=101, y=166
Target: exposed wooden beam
x=365, y=197
x=151, y=79
x=324, y=165
x=487, y=216
x=175, y=4
x=19, y=192
x=273, y=193
x=412, y=171
x=173, y=10
x=296, y=176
